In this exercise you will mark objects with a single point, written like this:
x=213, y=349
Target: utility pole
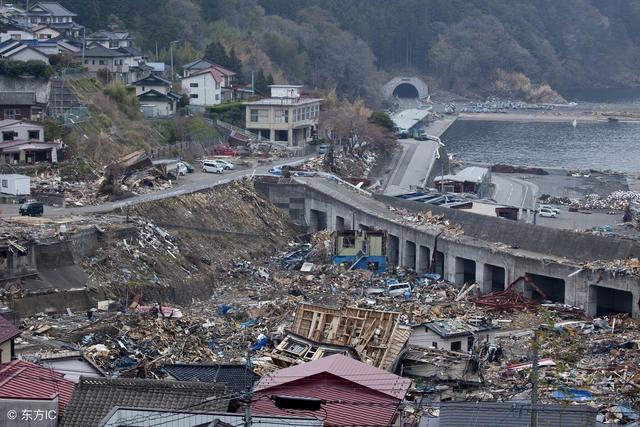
x=84, y=42
x=534, y=379
x=247, y=395
x=173, y=74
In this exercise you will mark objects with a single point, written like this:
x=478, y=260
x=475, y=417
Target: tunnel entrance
x=494, y=278
x=406, y=90
x=465, y=270
x=551, y=286
x=611, y=301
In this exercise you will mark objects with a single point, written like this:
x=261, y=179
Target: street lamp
x=173, y=74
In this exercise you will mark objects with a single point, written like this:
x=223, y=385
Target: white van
x=211, y=166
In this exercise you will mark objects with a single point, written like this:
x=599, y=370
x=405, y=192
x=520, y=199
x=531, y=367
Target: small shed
x=15, y=185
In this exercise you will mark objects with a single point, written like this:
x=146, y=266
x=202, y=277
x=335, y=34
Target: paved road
x=412, y=167
x=512, y=191
x=191, y=183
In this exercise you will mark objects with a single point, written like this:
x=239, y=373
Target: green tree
x=235, y=65
x=260, y=83
x=216, y=53
x=381, y=118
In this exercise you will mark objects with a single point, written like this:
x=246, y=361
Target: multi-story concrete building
x=286, y=116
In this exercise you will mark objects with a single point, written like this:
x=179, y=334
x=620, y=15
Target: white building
x=110, y=39
x=155, y=96
x=15, y=185
x=285, y=116
x=452, y=335
x=15, y=32
x=24, y=142
x=205, y=87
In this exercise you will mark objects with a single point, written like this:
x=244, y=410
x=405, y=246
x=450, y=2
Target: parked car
x=225, y=164
x=31, y=209
x=323, y=148
x=190, y=168
x=551, y=208
x=211, y=167
x=181, y=168
x=547, y=213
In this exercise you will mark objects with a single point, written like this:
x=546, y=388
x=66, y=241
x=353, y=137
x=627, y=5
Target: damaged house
x=377, y=337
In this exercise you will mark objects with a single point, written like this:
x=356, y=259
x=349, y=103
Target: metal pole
x=534, y=380
x=172, y=73
x=84, y=42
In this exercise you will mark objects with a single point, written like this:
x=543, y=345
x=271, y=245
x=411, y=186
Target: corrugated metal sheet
x=359, y=405
x=25, y=380
x=514, y=414
x=358, y=373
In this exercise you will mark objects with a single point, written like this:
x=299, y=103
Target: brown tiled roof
x=93, y=398
x=7, y=330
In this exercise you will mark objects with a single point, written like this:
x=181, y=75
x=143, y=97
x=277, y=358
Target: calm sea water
x=614, y=146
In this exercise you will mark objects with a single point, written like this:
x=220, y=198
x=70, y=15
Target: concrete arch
x=402, y=82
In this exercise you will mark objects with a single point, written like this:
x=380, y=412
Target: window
x=93, y=62
x=217, y=97
x=348, y=241
x=254, y=115
x=193, y=95
x=9, y=135
x=217, y=85
x=193, y=84
x=16, y=37
x=5, y=183
x=10, y=113
x=282, y=116
x=456, y=346
x=434, y=344
x=34, y=134
x=103, y=62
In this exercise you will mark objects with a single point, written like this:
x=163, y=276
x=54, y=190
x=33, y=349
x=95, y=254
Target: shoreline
x=542, y=118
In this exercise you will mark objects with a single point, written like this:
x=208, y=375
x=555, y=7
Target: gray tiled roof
x=55, y=8
x=93, y=398
x=513, y=414
x=236, y=377
x=17, y=98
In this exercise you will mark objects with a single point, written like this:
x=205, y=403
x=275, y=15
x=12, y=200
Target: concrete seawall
x=491, y=252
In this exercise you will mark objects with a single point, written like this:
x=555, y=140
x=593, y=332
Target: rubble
x=616, y=201
x=427, y=218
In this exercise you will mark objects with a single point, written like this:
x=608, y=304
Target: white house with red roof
x=354, y=393
x=205, y=87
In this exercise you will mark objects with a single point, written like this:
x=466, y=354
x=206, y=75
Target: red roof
x=25, y=380
x=7, y=330
x=356, y=393
x=216, y=71
x=343, y=367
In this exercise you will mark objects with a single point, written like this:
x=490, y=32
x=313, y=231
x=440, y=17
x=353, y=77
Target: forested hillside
x=354, y=44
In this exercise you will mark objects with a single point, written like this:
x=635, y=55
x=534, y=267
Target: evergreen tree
x=216, y=53
x=269, y=80
x=260, y=83
x=235, y=65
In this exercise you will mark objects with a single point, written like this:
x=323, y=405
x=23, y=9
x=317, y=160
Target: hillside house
x=19, y=105
x=196, y=66
x=45, y=32
x=21, y=51
x=24, y=142
x=117, y=61
x=205, y=87
x=155, y=96
x=54, y=15
x=286, y=116
x=109, y=39
x=12, y=31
